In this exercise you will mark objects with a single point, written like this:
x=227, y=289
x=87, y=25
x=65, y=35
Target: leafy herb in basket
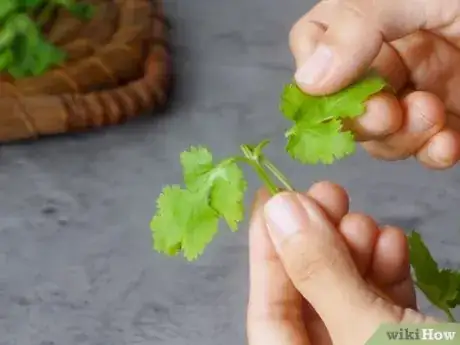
x=24, y=49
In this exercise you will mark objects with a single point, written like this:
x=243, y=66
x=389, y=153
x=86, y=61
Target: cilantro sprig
x=24, y=50
x=187, y=217
x=316, y=135
x=440, y=286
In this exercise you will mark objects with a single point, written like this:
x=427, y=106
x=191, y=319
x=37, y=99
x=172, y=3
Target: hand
x=415, y=44
x=321, y=275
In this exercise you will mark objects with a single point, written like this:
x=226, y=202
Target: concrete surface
x=76, y=266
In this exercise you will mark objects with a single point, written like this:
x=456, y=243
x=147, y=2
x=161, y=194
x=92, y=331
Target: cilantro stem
x=265, y=178
x=254, y=162
x=450, y=316
x=278, y=174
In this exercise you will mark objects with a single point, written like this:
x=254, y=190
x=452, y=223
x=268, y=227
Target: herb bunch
x=187, y=217
x=24, y=50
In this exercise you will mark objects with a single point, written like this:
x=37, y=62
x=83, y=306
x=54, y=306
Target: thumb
x=329, y=59
x=320, y=266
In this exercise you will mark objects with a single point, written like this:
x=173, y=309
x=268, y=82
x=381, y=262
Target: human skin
x=314, y=266
x=415, y=45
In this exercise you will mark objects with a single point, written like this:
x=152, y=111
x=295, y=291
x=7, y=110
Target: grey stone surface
x=76, y=266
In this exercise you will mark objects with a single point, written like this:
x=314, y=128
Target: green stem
x=278, y=174
x=446, y=310
x=265, y=178
x=255, y=164
x=450, y=316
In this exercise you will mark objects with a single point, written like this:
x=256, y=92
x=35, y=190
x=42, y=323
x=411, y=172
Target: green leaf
x=79, y=9
x=32, y=54
x=227, y=195
x=316, y=136
x=348, y=102
x=5, y=59
x=7, y=36
x=21, y=36
x=441, y=286
x=45, y=57
x=82, y=11
x=31, y=4
x=223, y=183
x=184, y=221
x=168, y=224
x=292, y=99
x=319, y=143
x=19, y=66
x=187, y=219
x=196, y=163
x=7, y=7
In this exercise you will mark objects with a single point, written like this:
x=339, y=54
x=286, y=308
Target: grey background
x=76, y=266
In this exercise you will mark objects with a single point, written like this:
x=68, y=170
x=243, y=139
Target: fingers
x=275, y=305
x=423, y=118
x=391, y=269
x=335, y=42
x=361, y=233
x=382, y=257
x=315, y=256
x=418, y=128
x=328, y=60
x=362, y=236
x=383, y=116
x=274, y=313
x=442, y=151
x=332, y=198
x=389, y=64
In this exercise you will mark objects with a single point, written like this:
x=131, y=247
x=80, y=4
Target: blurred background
x=76, y=265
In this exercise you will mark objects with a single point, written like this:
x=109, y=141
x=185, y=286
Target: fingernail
x=284, y=216
x=316, y=66
x=438, y=153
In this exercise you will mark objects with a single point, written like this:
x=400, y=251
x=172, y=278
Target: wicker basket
x=118, y=66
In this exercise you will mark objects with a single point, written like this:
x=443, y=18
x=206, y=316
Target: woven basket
x=118, y=66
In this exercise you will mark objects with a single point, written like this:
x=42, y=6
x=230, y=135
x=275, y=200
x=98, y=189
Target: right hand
x=322, y=275
x=415, y=45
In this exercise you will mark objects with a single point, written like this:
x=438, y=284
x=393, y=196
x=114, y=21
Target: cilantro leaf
x=82, y=11
x=5, y=58
x=78, y=9
x=317, y=135
x=292, y=99
x=324, y=141
x=187, y=219
x=348, y=102
x=7, y=7
x=227, y=196
x=196, y=164
x=31, y=4
x=168, y=223
x=184, y=221
x=224, y=184
x=440, y=286
x=24, y=48
x=7, y=36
